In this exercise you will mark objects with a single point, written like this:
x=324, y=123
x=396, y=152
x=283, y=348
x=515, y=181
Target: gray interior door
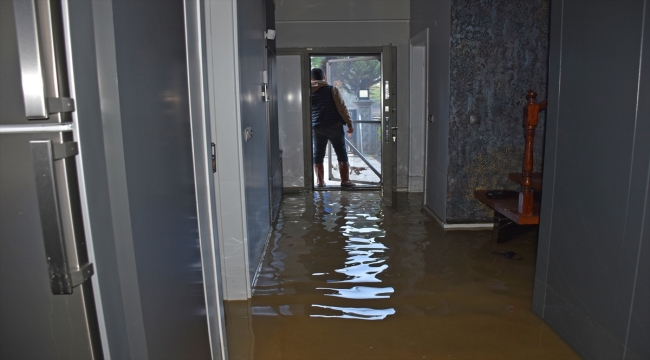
x=275, y=154
x=271, y=83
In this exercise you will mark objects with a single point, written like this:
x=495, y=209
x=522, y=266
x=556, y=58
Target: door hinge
x=80, y=276
x=64, y=150
x=60, y=105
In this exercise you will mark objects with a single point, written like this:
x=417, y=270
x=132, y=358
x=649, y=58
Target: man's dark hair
x=317, y=74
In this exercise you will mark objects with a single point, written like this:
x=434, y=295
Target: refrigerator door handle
x=43, y=155
x=31, y=66
x=38, y=106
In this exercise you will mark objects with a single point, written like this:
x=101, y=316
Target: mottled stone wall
x=499, y=50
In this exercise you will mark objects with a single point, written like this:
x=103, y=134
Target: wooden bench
x=512, y=210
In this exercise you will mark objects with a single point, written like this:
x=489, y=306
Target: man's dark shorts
x=336, y=135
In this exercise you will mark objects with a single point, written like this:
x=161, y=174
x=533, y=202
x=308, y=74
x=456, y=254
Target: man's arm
x=343, y=110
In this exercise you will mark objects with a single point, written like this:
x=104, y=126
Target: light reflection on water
x=439, y=291
x=365, y=261
x=361, y=292
x=355, y=313
x=362, y=264
x=332, y=249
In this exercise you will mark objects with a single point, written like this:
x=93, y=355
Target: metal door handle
x=43, y=155
x=30, y=59
x=38, y=106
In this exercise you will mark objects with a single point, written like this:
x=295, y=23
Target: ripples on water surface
x=344, y=241
x=345, y=278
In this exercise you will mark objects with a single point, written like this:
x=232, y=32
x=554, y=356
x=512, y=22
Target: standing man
x=328, y=115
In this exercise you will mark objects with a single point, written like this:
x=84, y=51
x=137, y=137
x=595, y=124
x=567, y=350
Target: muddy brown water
x=345, y=278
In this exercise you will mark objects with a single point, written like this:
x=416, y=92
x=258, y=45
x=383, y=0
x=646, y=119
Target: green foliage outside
x=375, y=92
x=351, y=76
x=319, y=61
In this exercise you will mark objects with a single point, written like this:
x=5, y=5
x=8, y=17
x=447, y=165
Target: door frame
x=305, y=68
x=274, y=159
x=204, y=153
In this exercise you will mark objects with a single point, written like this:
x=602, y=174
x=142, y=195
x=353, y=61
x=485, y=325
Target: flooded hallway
x=345, y=278
x=167, y=191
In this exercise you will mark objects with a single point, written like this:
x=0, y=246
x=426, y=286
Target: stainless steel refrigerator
x=46, y=298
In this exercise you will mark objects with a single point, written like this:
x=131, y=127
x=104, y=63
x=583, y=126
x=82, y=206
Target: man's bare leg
x=320, y=175
x=344, y=169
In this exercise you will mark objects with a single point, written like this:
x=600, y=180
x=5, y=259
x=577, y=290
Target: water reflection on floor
x=345, y=278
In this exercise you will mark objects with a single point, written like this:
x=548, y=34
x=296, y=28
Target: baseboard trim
x=261, y=261
x=452, y=227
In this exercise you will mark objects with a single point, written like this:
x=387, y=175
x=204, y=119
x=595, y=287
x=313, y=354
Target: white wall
x=436, y=16
x=222, y=58
x=290, y=121
x=418, y=111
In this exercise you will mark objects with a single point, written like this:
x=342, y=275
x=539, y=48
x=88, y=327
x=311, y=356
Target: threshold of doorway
x=353, y=188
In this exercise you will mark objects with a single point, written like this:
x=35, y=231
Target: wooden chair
x=511, y=210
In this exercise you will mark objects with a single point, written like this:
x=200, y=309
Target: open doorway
x=371, y=149
x=358, y=80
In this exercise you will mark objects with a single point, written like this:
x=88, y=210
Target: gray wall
x=591, y=283
x=434, y=15
x=341, y=23
x=130, y=77
x=153, y=97
x=251, y=17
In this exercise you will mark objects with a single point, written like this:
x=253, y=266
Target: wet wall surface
x=499, y=50
x=345, y=278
